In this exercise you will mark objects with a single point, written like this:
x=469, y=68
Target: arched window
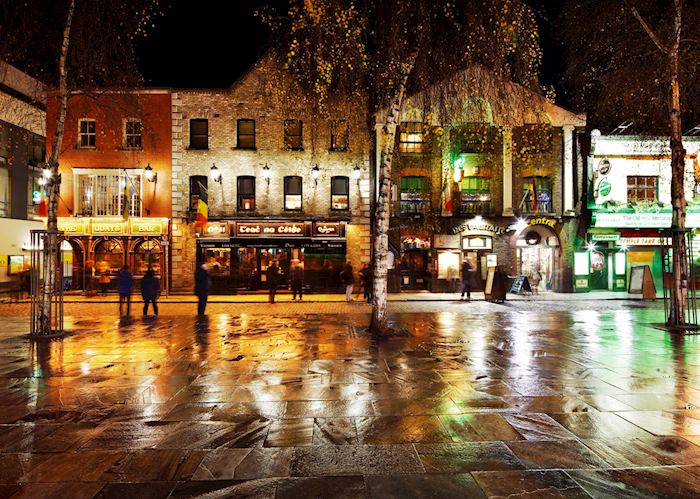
x=109, y=256
x=147, y=255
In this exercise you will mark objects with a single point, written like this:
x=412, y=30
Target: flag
x=534, y=194
x=129, y=191
x=202, y=207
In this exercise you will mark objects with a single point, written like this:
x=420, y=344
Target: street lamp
x=266, y=173
x=356, y=172
x=315, y=172
x=215, y=173
x=150, y=175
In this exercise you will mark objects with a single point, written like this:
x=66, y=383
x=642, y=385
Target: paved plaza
x=528, y=399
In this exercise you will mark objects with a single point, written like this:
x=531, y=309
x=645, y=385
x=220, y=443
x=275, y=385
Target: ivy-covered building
x=493, y=180
x=629, y=186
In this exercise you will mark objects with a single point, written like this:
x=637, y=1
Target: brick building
x=283, y=184
x=494, y=182
x=115, y=196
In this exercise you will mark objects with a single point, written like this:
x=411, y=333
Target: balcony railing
x=476, y=207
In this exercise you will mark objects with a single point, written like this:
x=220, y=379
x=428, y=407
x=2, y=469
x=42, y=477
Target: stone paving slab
x=470, y=401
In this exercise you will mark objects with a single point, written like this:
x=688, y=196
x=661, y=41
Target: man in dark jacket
x=125, y=283
x=272, y=275
x=150, y=289
x=467, y=278
x=202, y=283
x=297, y=281
x=347, y=278
x=367, y=282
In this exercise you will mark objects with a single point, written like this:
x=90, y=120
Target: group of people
x=150, y=291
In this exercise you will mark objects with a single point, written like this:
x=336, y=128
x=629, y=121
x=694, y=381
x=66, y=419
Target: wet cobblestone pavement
x=472, y=401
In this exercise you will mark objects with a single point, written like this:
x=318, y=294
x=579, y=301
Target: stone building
x=494, y=179
x=282, y=184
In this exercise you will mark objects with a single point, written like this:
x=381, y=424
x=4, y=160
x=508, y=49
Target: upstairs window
x=132, y=134
x=537, y=195
x=292, y=193
x=87, y=134
x=198, y=190
x=476, y=195
x=107, y=193
x=246, y=134
x=246, y=193
x=340, y=135
x=412, y=138
x=340, y=193
x=414, y=196
x=199, y=134
x=642, y=189
x=293, y=135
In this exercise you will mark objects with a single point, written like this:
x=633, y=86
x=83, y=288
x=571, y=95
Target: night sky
x=200, y=44
x=197, y=44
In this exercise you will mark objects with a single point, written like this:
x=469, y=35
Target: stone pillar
x=568, y=167
x=507, y=171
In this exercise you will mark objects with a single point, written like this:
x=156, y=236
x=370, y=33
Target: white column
x=507, y=171
x=568, y=170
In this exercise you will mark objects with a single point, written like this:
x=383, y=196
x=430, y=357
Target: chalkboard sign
x=520, y=285
x=642, y=282
x=489, y=282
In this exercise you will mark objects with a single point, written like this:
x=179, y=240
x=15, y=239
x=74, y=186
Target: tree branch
x=648, y=30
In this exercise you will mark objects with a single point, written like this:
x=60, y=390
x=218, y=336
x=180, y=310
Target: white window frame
x=126, y=134
x=87, y=134
x=135, y=209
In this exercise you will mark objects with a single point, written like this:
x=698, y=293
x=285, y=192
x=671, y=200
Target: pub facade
x=282, y=184
x=115, y=197
x=488, y=185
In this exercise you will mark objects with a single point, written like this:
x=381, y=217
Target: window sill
x=79, y=148
x=346, y=149
x=196, y=148
x=129, y=149
x=236, y=148
x=290, y=149
x=341, y=211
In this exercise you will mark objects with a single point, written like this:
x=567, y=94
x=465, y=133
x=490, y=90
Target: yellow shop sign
x=549, y=222
x=146, y=227
x=107, y=228
x=71, y=226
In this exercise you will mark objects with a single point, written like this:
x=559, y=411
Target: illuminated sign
x=107, y=228
x=216, y=229
x=71, y=226
x=327, y=229
x=640, y=241
x=549, y=222
x=643, y=220
x=482, y=226
x=279, y=229
x=605, y=237
x=145, y=227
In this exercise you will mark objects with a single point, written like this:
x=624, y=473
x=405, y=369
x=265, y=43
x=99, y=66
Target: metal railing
x=670, y=245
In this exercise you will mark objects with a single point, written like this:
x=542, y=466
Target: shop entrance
x=538, y=254
x=599, y=271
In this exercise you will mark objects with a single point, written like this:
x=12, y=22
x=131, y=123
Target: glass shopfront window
x=147, y=255
x=109, y=257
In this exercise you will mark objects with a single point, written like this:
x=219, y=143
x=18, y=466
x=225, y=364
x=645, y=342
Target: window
x=199, y=134
x=641, y=189
x=340, y=135
x=411, y=138
x=198, y=188
x=35, y=189
x=86, y=134
x=476, y=194
x=293, y=135
x=537, y=195
x=246, y=193
x=132, y=134
x=340, y=193
x=107, y=193
x=246, y=134
x=414, y=195
x=4, y=188
x=292, y=193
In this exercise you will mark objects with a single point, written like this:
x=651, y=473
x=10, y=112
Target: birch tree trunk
x=378, y=326
x=680, y=253
x=51, y=244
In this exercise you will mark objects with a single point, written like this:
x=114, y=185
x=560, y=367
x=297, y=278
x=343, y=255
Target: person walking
x=297, y=281
x=125, y=283
x=467, y=279
x=367, y=282
x=272, y=274
x=347, y=279
x=202, y=283
x=535, y=279
x=104, y=282
x=150, y=289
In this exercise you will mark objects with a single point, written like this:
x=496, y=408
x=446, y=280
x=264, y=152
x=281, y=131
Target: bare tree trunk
x=378, y=326
x=51, y=244
x=680, y=258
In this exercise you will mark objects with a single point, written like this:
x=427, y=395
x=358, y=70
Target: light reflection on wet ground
x=524, y=401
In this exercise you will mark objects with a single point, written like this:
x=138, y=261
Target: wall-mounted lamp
x=266, y=173
x=356, y=172
x=215, y=173
x=315, y=172
x=150, y=175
